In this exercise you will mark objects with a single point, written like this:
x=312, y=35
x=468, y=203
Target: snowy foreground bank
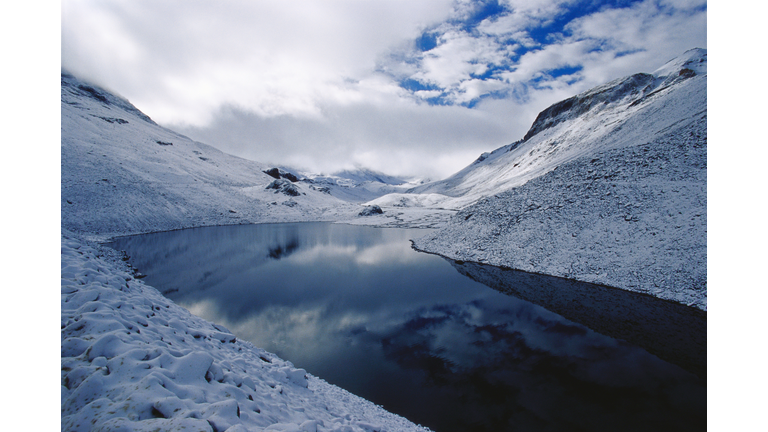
x=132, y=360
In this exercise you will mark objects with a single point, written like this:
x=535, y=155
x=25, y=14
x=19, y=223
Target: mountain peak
x=628, y=90
x=74, y=88
x=694, y=59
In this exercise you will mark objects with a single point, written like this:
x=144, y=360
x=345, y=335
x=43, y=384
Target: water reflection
x=358, y=307
x=674, y=332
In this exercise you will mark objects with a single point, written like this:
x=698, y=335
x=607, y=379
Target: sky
x=408, y=88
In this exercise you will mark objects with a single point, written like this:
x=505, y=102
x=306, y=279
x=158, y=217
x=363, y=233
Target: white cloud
x=684, y=4
x=550, y=57
x=653, y=36
x=524, y=14
x=181, y=60
x=457, y=57
x=398, y=135
x=315, y=84
x=428, y=94
x=474, y=88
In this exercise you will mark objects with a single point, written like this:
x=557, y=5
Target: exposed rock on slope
x=608, y=187
x=371, y=210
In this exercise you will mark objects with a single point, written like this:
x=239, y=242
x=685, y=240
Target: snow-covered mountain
x=121, y=173
x=621, y=113
x=608, y=186
x=359, y=185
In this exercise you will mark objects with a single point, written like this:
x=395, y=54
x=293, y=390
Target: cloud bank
x=408, y=88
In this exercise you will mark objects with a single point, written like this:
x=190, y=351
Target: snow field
x=132, y=360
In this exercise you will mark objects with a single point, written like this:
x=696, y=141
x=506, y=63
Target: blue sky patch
x=414, y=85
x=426, y=41
x=567, y=70
x=486, y=10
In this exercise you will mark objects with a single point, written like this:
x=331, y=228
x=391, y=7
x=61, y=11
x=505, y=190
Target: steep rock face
x=612, y=193
x=615, y=91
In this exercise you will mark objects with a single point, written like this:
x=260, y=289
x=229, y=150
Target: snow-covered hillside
x=608, y=186
x=123, y=174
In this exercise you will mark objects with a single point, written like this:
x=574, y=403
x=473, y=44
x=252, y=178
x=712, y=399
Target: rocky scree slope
x=607, y=187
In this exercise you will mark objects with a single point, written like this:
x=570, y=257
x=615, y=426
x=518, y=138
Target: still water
x=406, y=330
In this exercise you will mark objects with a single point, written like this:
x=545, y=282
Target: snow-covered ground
x=609, y=187
x=132, y=360
x=362, y=184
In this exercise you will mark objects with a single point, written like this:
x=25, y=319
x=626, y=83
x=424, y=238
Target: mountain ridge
x=590, y=116
x=612, y=191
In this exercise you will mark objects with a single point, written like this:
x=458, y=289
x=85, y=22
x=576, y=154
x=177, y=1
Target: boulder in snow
x=284, y=186
x=371, y=210
x=280, y=174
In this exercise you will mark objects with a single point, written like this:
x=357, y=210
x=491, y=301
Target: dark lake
x=423, y=337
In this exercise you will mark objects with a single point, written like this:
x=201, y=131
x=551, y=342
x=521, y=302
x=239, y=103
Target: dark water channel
x=406, y=330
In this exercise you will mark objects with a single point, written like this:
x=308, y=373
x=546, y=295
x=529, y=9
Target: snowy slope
x=607, y=187
x=132, y=360
x=623, y=112
x=124, y=174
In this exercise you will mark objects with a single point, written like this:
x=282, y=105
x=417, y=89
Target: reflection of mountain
x=531, y=370
x=197, y=259
x=284, y=250
x=674, y=332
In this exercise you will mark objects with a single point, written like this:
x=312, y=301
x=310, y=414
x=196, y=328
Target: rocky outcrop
x=284, y=186
x=371, y=210
x=277, y=173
